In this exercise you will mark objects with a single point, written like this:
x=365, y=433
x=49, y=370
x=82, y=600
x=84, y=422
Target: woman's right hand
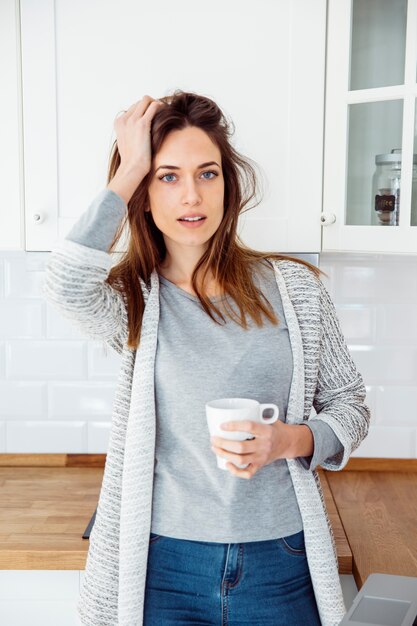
x=134, y=136
x=133, y=130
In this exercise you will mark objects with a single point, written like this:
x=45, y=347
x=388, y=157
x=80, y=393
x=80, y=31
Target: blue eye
x=162, y=177
x=211, y=172
x=208, y=172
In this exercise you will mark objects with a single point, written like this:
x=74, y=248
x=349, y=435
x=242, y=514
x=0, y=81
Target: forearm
x=96, y=227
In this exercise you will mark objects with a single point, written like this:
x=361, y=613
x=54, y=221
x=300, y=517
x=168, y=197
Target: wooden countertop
x=47, y=501
x=377, y=506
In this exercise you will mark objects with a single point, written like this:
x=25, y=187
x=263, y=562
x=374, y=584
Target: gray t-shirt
x=198, y=360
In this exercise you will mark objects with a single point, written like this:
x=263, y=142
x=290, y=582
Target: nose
x=191, y=194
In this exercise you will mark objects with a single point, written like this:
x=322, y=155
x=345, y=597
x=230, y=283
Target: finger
x=232, y=468
x=241, y=473
x=120, y=114
x=142, y=107
x=139, y=105
x=245, y=425
x=151, y=110
x=133, y=107
x=238, y=459
x=240, y=447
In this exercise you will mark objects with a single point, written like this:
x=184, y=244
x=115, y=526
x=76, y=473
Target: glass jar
x=386, y=185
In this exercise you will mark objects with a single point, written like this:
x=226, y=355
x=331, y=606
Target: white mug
x=233, y=410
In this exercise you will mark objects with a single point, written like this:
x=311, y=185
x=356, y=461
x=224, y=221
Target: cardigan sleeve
x=326, y=444
x=77, y=269
x=340, y=392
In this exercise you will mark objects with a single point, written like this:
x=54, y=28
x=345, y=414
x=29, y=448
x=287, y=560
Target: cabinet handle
x=38, y=218
x=327, y=219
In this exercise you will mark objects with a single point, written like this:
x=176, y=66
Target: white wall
x=376, y=299
x=57, y=388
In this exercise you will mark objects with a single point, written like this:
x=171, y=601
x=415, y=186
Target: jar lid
x=395, y=156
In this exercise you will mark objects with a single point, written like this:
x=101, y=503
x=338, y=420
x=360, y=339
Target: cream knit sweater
x=325, y=377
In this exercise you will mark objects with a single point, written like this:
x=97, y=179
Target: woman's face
x=188, y=179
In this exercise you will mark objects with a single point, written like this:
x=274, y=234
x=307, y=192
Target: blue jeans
x=257, y=583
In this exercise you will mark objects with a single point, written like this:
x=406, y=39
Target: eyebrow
x=175, y=167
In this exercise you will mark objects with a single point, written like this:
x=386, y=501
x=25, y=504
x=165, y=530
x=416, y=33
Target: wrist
x=125, y=182
x=302, y=441
x=132, y=171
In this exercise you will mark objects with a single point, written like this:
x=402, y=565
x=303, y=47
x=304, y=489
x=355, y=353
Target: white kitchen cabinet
x=371, y=93
x=39, y=597
x=11, y=205
x=263, y=62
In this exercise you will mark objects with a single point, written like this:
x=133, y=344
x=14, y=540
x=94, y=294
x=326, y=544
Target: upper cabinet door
x=262, y=62
x=370, y=164
x=11, y=206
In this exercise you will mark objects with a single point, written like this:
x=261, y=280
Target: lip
x=192, y=224
x=192, y=215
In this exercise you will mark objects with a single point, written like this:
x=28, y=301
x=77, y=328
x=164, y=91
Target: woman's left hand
x=272, y=442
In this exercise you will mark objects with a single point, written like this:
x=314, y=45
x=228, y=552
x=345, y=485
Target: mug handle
x=273, y=418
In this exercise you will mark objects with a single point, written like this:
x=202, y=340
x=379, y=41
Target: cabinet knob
x=38, y=218
x=327, y=219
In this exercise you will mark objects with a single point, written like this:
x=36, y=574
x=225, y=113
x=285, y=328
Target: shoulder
x=303, y=286
x=295, y=272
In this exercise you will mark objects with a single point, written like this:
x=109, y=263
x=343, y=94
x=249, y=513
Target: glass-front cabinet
x=370, y=144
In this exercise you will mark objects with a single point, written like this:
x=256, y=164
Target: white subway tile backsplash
x=2, y=360
x=398, y=280
x=382, y=277
x=59, y=327
x=21, y=319
x=57, y=386
x=353, y=282
x=35, y=261
x=357, y=322
x=396, y=323
x=46, y=359
x=390, y=442
x=85, y=399
x=103, y=361
x=19, y=280
x=1, y=279
x=386, y=364
x=2, y=437
x=396, y=405
x=98, y=434
x=46, y=436
x=23, y=399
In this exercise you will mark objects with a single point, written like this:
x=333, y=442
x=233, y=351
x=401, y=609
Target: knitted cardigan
x=325, y=377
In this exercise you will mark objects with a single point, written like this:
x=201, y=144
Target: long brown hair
x=229, y=259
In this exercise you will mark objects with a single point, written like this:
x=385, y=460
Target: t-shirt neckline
x=183, y=292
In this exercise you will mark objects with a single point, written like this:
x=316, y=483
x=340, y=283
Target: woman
x=197, y=315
